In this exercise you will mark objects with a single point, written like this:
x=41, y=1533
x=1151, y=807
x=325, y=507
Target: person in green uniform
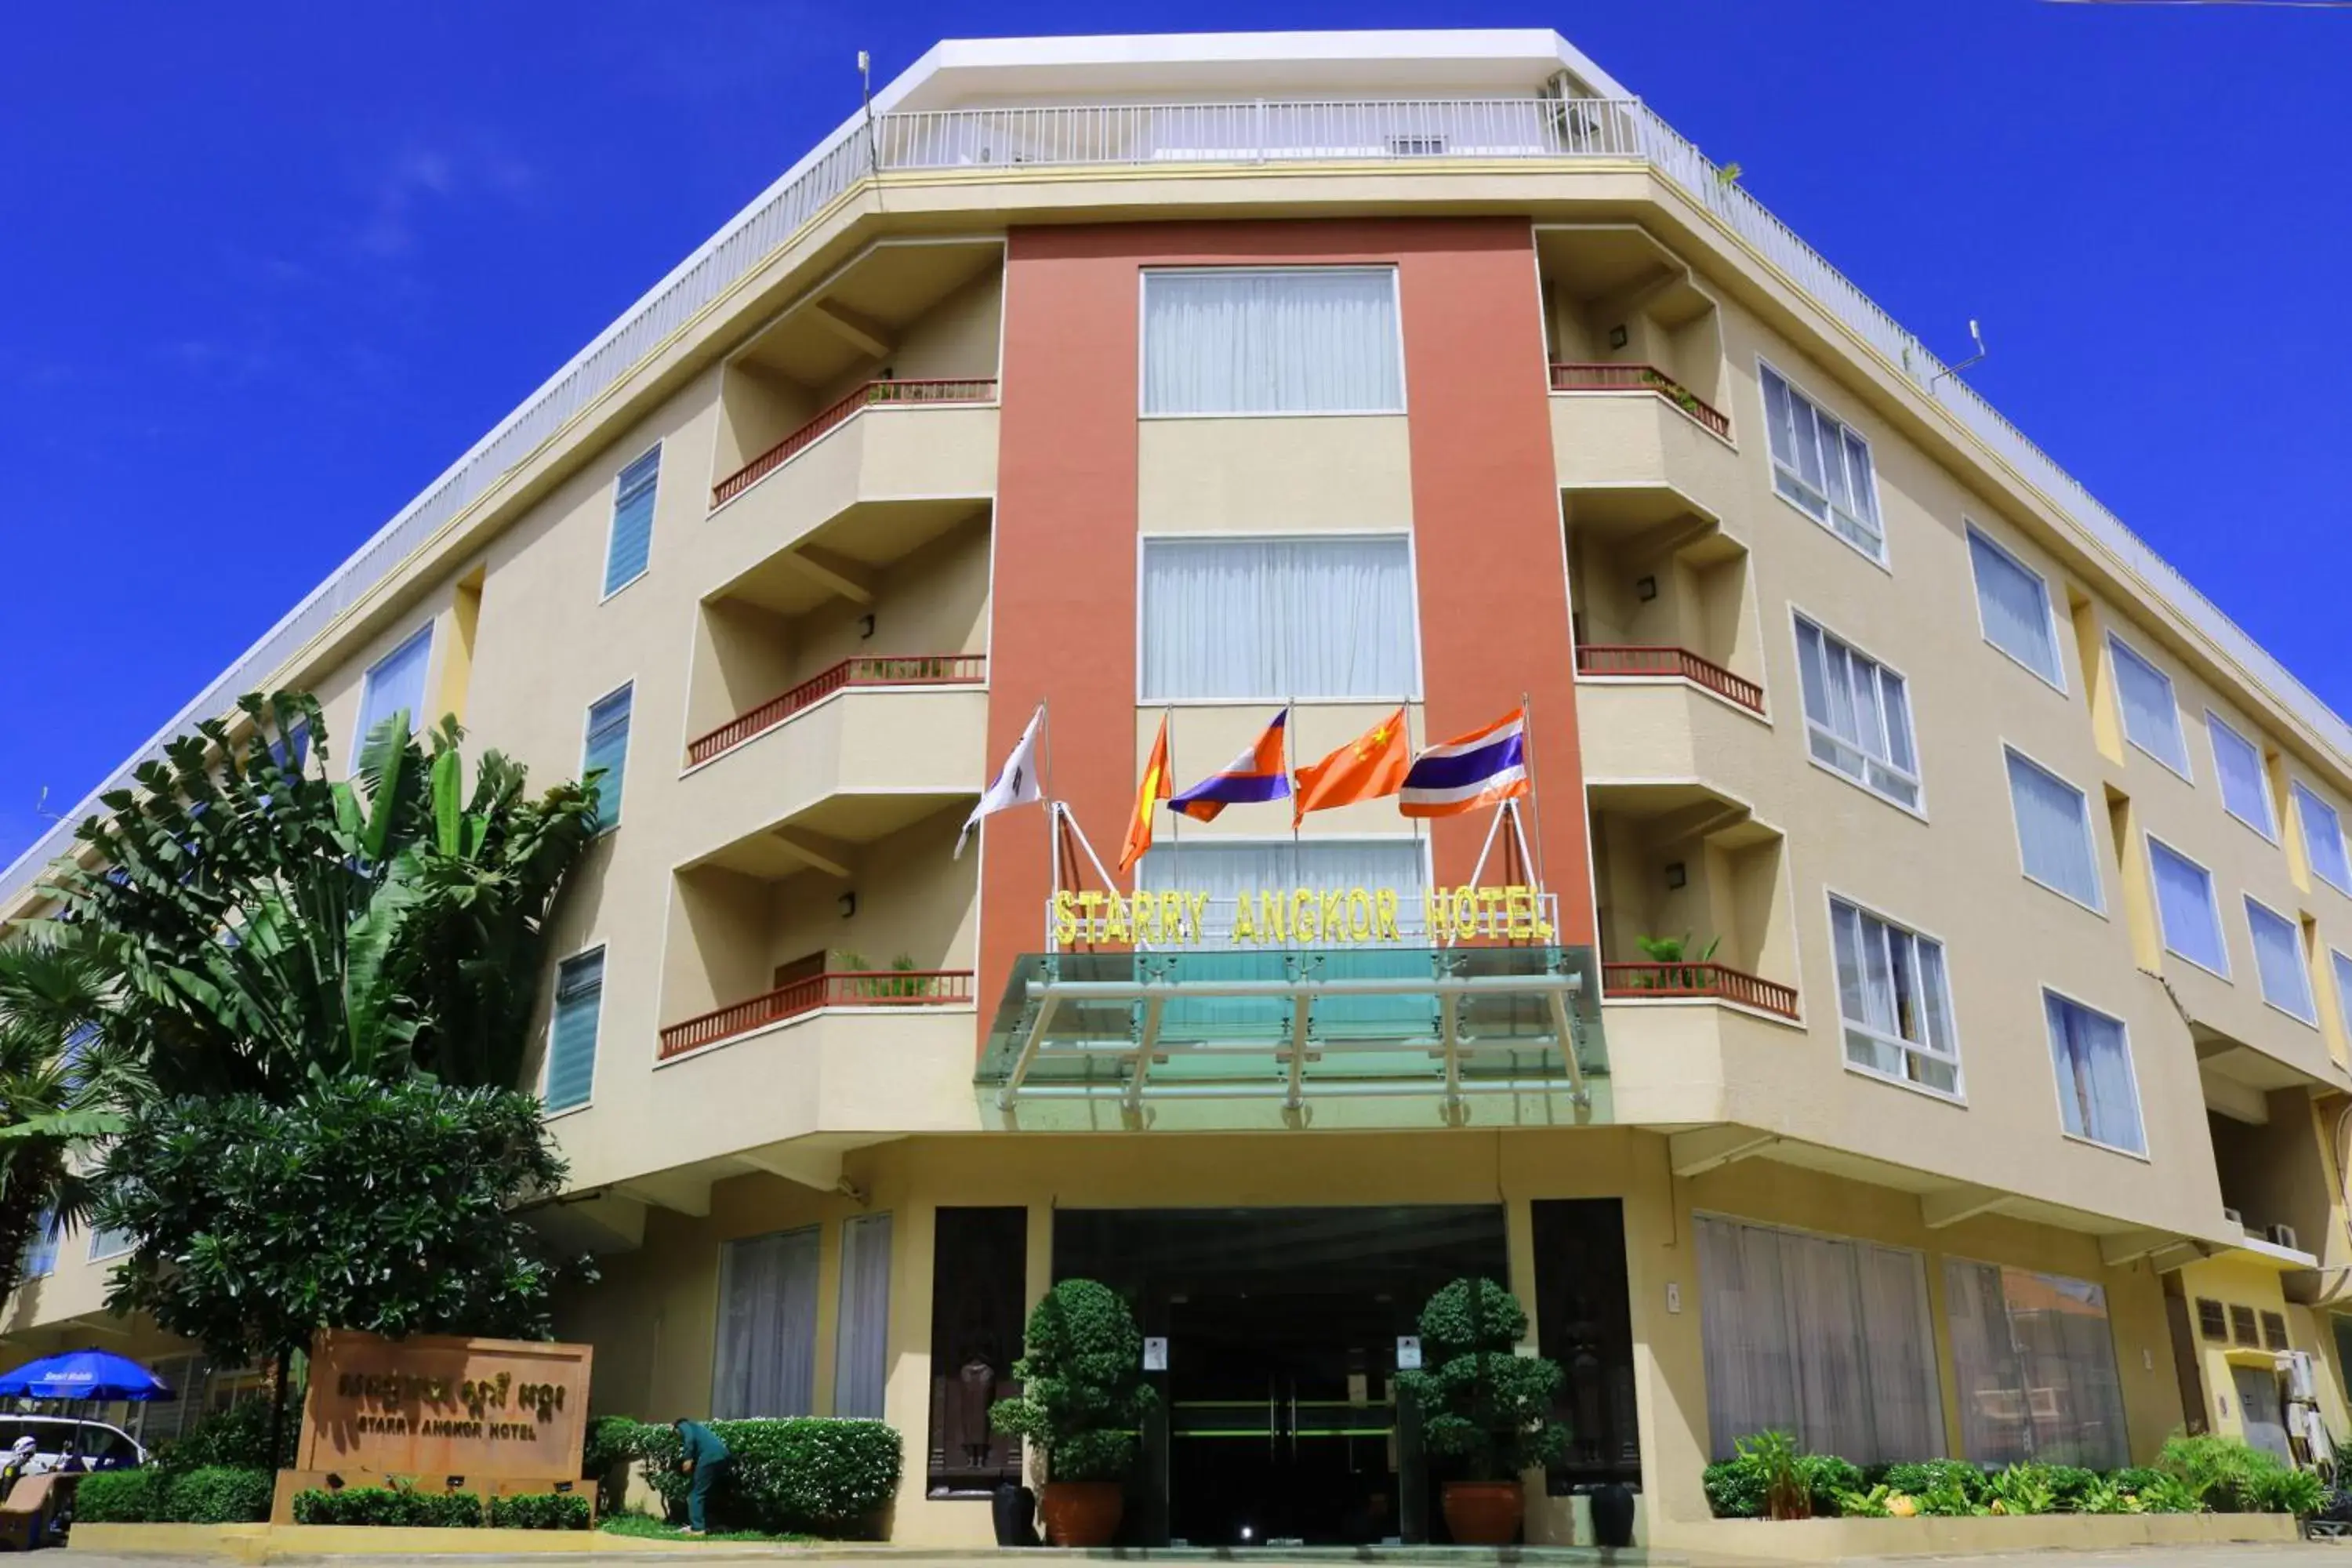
x=706, y=1455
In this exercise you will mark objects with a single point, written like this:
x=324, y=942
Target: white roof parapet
x=1187, y=66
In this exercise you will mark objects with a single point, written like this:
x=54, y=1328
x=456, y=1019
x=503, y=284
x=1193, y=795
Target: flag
x=1258, y=774
x=1484, y=767
x=1148, y=796
x=1366, y=768
x=1015, y=783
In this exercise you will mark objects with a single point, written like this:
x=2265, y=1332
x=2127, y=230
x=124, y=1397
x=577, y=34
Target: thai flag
x=1259, y=774
x=1485, y=767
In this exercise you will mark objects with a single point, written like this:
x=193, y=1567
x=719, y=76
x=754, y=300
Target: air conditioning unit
x=2282, y=1235
x=2300, y=1385
x=2234, y=1218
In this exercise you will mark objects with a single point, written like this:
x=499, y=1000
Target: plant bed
x=644, y=1527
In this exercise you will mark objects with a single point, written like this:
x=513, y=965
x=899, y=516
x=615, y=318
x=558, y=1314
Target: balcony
x=873, y=395
x=883, y=989
x=1640, y=661
x=1696, y=982
x=916, y=670
x=1612, y=377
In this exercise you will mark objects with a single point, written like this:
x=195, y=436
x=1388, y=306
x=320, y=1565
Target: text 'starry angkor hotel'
x=1988, y=1106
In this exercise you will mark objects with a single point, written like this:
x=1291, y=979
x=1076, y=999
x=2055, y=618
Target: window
x=2239, y=765
x=631, y=542
x=2151, y=716
x=2212, y=1319
x=1823, y=467
x=106, y=1244
x=979, y=1295
x=1825, y=1339
x=2097, y=1098
x=571, y=1036
x=162, y=1420
x=2343, y=991
x=2185, y=906
x=2274, y=1332
x=2278, y=959
x=2035, y=1366
x=1292, y=339
x=607, y=749
x=394, y=684
x=2053, y=832
x=41, y=1247
x=1271, y=620
x=766, y=1364
x=1893, y=998
x=2323, y=839
x=862, y=1334
x=2013, y=605
x=2242, y=1325
x=1857, y=716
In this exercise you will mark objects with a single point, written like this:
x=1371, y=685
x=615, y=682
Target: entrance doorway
x=1279, y=1422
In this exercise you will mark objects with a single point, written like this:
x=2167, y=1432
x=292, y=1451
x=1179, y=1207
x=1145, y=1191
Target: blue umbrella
x=84, y=1374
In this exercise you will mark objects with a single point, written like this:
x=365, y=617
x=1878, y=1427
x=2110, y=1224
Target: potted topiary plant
x=1082, y=1400
x=1484, y=1404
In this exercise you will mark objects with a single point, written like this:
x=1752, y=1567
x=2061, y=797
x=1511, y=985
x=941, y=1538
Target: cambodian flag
x=1259, y=774
x=1481, y=768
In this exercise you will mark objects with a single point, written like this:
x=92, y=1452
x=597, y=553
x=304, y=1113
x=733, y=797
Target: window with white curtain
x=2151, y=715
x=1822, y=468
x=1895, y=1000
x=766, y=1355
x=2013, y=605
x=2053, y=832
x=2278, y=959
x=1274, y=620
x=2098, y=1098
x=2034, y=1364
x=1826, y=1339
x=1857, y=716
x=2323, y=839
x=395, y=683
x=2238, y=764
x=862, y=1332
x=2185, y=907
x=1273, y=340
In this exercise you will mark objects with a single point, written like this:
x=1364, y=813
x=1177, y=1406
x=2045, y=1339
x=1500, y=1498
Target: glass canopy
x=1385, y=1037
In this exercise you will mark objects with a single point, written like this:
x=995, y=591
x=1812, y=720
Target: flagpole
x=1527, y=743
x=1420, y=843
x=1053, y=812
x=1176, y=818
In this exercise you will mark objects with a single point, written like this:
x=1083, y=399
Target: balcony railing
x=1600, y=661
x=849, y=988
x=1718, y=982
x=1639, y=378
x=915, y=669
x=873, y=395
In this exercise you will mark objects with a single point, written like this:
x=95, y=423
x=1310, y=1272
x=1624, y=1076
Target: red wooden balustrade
x=915, y=669
x=1602, y=660
x=848, y=988
x=872, y=394
x=1638, y=981
x=1638, y=378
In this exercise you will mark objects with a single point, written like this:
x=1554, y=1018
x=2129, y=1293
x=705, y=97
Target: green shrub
x=2284, y=1490
x=804, y=1473
x=2022, y=1490
x=2069, y=1484
x=1917, y=1480
x=119, y=1497
x=1827, y=1478
x=1871, y=1504
x=218, y=1494
x=1483, y=1402
x=1082, y=1395
x=1734, y=1489
x=611, y=1443
x=233, y=1438
x=2227, y=1475
x=389, y=1508
x=540, y=1510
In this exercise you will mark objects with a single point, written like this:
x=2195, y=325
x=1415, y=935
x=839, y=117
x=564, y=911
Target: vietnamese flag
x=1148, y=794
x=1366, y=768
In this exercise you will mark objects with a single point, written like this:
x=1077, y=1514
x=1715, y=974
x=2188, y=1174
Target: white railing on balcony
x=1387, y=131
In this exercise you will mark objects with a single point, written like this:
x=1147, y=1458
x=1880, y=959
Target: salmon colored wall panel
x=1493, y=582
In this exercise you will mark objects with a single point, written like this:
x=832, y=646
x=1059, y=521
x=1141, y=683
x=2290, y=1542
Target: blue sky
x=270, y=267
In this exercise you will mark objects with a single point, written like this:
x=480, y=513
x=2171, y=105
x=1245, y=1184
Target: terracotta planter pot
x=1483, y=1513
x=1081, y=1513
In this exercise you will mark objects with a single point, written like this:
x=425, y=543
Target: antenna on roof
x=1975, y=337
x=865, y=92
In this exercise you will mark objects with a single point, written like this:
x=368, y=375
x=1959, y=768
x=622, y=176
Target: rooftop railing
x=1391, y=132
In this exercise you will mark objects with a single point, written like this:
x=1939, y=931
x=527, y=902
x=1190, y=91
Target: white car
x=62, y=1442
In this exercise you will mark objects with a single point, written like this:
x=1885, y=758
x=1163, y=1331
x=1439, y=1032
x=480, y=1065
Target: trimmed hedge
x=386, y=1508
x=217, y=1494
x=236, y=1438
x=807, y=1474
x=540, y=1510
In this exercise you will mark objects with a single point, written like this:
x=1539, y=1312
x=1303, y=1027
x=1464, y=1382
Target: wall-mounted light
x=865, y=626
x=455, y=1483
x=1676, y=874
x=1646, y=588
x=1617, y=336
x=846, y=904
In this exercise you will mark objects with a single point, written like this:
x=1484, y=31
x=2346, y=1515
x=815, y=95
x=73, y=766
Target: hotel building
x=1992, y=1104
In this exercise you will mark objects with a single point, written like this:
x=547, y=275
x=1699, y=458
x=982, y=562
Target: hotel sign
x=1317, y=917
x=440, y=1406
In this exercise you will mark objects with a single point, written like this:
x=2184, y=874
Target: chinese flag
x=1366, y=768
x=1148, y=796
